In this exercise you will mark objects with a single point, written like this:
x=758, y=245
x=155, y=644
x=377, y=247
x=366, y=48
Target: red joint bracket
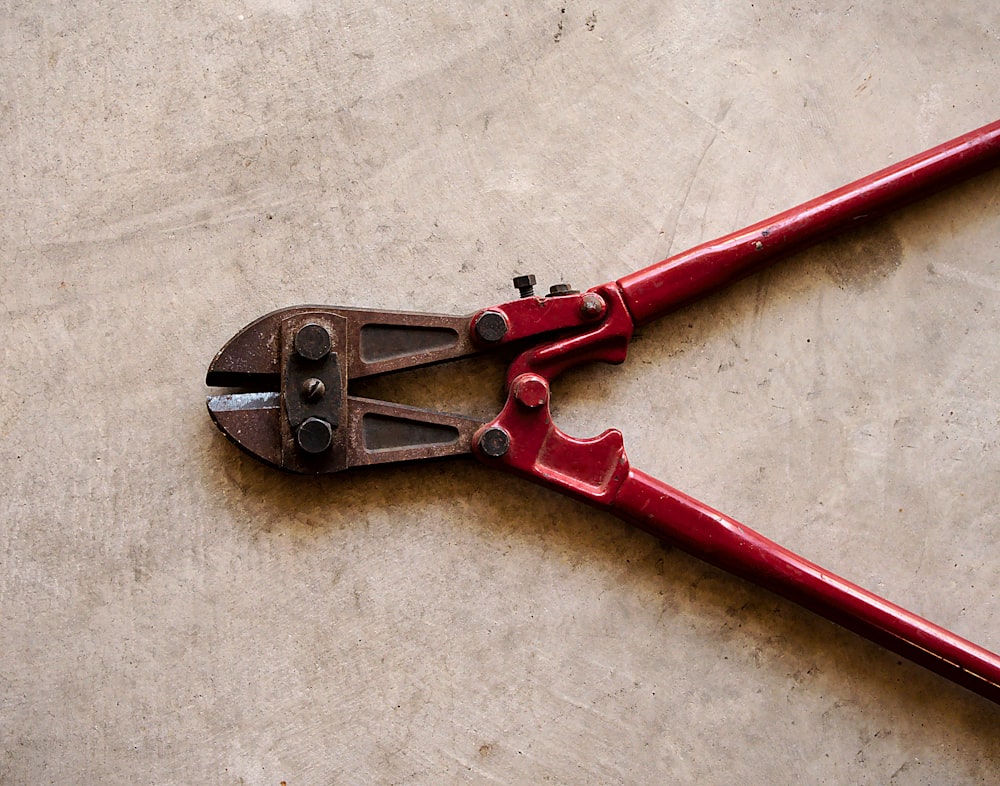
x=523, y=439
x=603, y=338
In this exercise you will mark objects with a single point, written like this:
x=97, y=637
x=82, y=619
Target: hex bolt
x=525, y=285
x=591, y=306
x=491, y=326
x=312, y=342
x=558, y=290
x=313, y=389
x=494, y=442
x=315, y=435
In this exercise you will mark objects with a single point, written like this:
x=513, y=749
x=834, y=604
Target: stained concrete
x=173, y=612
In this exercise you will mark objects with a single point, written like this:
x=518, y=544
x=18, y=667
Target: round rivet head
x=531, y=391
x=491, y=326
x=312, y=342
x=494, y=442
x=591, y=306
x=315, y=435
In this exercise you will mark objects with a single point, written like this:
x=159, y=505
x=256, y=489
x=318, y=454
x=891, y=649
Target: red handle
x=658, y=288
x=524, y=440
x=721, y=541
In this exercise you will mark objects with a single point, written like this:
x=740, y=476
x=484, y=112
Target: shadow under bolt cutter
x=297, y=413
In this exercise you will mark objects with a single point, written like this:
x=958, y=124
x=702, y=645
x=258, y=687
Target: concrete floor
x=173, y=612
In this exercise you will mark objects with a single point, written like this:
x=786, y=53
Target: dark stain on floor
x=863, y=257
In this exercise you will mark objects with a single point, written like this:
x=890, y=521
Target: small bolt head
x=591, y=306
x=531, y=391
x=558, y=290
x=525, y=285
x=491, y=326
x=494, y=442
x=313, y=389
x=315, y=435
x=312, y=342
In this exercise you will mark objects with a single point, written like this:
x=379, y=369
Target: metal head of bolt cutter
x=293, y=409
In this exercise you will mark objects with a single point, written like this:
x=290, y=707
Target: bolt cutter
x=294, y=408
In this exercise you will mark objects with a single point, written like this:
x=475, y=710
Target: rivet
x=591, y=306
x=531, y=391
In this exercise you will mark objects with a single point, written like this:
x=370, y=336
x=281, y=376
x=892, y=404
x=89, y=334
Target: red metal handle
x=721, y=541
x=665, y=285
x=523, y=439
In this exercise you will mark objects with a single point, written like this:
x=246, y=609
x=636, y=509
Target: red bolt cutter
x=296, y=410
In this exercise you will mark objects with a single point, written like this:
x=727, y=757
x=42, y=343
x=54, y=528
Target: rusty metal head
x=293, y=368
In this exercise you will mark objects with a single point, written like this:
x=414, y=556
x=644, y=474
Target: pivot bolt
x=494, y=442
x=491, y=326
x=531, y=391
x=312, y=342
x=525, y=285
x=315, y=435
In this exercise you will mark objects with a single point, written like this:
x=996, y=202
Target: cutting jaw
x=290, y=372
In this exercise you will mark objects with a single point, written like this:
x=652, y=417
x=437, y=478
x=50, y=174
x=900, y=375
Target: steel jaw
x=292, y=369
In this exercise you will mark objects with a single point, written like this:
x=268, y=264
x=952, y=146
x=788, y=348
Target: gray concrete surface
x=172, y=612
